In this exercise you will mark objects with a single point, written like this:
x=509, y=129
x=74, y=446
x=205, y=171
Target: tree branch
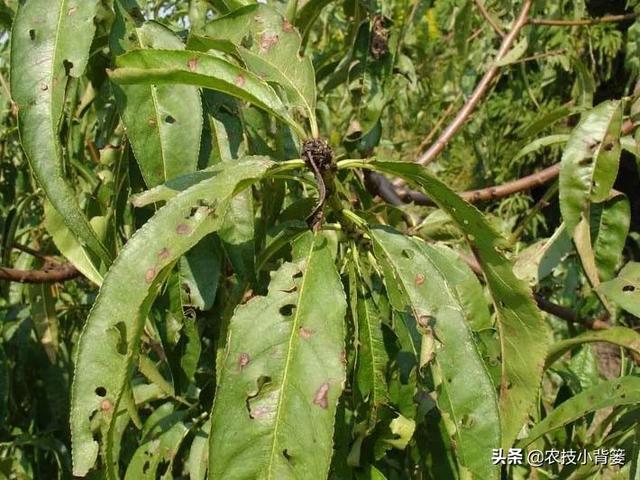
x=584, y=21
x=545, y=305
x=489, y=18
x=480, y=91
x=50, y=273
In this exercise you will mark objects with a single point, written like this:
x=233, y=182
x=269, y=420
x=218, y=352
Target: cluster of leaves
x=223, y=327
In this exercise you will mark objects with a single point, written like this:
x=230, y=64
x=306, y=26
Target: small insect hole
x=287, y=310
x=628, y=288
x=169, y=119
x=101, y=391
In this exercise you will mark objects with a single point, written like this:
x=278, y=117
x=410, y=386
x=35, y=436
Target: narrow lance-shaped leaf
x=163, y=122
x=49, y=43
x=613, y=393
x=269, y=46
x=108, y=344
x=590, y=162
x=201, y=70
x=282, y=375
x=622, y=336
x=524, y=335
x=610, y=222
x=466, y=394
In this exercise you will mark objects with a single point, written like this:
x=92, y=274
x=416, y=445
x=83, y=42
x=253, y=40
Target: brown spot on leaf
x=164, y=254
x=287, y=26
x=192, y=64
x=419, y=279
x=424, y=320
x=248, y=295
x=183, y=229
x=150, y=275
x=72, y=10
x=343, y=357
x=44, y=87
x=152, y=123
x=105, y=405
x=240, y=81
x=321, y=397
x=243, y=360
x=267, y=41
x=306, y=333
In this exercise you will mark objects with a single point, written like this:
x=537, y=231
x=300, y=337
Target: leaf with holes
x=524, y=335
x=613, y=393
x=163, y=122
x=50, y=44
x=269, y=46
x=625, y=289
x=466, y=394
x=590, y=162
x=282, y=375
x=108, y=344
x=175, y=67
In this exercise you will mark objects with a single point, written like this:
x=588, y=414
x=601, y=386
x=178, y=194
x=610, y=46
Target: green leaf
x=162, y=67
x=163, y=448
x=538, y=260
x=49, y=43
x=200, y=271
x=199, y=453
x=269, y=46
x=466, y=393
x=524, y=335
x=69, y=246
x=163, y=122
x=108, y=345
x=620, y=391
x=625, y=289
x=514, y=54
x=45, y=321
x=590, y=162
x=372, y=355
x=282, y=376
x=539, y=143
x=308, y=14
x=622, y=336
x=610, y=222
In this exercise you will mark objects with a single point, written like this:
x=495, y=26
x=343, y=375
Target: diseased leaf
x=163, y=122
x=466, y=393
x=269, y=46
x=108, y=344
x=622, y=336
x=162, y=448
x=625, y=289
x=282, y=376
x=49, y=43
x=620, y=391
x=609, y=228
x=590, y=162
x=161, y=67
x=524, y=335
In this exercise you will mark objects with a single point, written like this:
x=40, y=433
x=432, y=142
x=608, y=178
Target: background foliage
x=392, y=351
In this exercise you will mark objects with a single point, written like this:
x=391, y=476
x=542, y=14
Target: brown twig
x=50, y=273
x=489, y=18
x=480, y=90
x=583, y=21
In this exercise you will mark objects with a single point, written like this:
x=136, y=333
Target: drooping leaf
x=466, y=393
x=625, y=289
x=269, y=46
x=108, y=344
x=620, y=391
x=163, y=122
x=524, y=335
x=161, y=67
x=282, y=376
x=590, y=162
x=49, y=44
x=69, y=246
x=623, y=336
x=609, y=228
